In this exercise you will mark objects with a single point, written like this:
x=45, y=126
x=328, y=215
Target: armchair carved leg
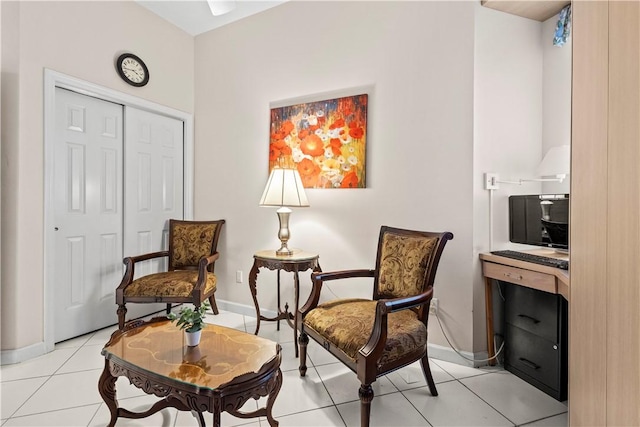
x=214, y=306
x=122, y=310
x=366, y=396
x=303, y=340
x=426, y=369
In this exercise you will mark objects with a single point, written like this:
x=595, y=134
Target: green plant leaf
x=189, y=319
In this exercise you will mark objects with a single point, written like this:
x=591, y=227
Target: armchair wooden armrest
x=377, y=340
x=397, y=304
x=131, y=261
x=343, y=274
x=317, y=278
x=203, y=267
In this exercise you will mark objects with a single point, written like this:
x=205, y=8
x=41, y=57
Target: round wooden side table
x=298, y=261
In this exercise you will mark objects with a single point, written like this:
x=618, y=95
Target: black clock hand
x=131, y=69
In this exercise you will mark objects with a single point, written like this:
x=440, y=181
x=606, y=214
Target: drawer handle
x=529, y=363
x=533, y=319
x=513, y=276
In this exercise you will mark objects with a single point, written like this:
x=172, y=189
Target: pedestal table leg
x=278, y=321
x=296, y=286
x=107, y=389
x=253, y=277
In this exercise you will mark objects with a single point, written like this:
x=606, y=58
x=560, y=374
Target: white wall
x=556, y=97
x=417, y=60
x=507, y=129
x=81, y=39
x=522, y=108
x=508, y=114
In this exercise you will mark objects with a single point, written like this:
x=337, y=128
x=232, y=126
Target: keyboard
x=536, y=259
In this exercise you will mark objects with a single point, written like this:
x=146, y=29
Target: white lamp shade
x=284, y=188
x=556, y=162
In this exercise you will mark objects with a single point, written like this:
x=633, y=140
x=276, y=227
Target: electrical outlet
x=433, y=308
x=491, y=181
x=239, y=276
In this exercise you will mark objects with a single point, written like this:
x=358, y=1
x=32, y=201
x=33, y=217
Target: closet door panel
x=153, y=191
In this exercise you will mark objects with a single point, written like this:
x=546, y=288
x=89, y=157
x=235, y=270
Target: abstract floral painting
x=325, y=140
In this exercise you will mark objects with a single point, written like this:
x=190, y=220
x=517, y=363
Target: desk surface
x=562, y=276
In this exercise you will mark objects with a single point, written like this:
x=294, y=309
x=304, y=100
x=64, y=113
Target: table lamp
x=284, y=189
x=556, y=163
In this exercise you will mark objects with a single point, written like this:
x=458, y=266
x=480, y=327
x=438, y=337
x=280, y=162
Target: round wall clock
x=132, y=69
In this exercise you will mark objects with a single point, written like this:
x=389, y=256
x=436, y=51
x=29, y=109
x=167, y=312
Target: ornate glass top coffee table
x=225, y=370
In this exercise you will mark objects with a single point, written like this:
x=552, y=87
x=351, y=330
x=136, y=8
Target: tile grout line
x=490, y=405
x=414, y=406
x=328, y=394
x=45, y=382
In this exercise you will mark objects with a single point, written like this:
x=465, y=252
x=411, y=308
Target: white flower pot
x=193, y=338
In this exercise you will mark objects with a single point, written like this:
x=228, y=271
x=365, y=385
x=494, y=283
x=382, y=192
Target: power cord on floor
x=462, y=355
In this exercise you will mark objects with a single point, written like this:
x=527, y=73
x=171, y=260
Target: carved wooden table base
x=299, y=261
x=222, y=373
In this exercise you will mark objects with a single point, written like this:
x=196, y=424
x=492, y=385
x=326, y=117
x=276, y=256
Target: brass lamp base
x=284, y=251
x=283, y=232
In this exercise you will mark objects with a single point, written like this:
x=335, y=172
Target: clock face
x=132, y=70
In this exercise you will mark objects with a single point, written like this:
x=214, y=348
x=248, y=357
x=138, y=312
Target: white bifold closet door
x=153, y=191
x=118, y=178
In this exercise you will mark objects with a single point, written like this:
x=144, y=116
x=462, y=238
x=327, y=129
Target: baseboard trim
x=449, y=355
x=244, y=309
x=9, y=357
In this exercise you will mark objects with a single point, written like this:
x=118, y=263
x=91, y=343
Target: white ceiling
x=194, y=16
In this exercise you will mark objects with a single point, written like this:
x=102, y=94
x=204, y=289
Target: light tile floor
x=60, y=389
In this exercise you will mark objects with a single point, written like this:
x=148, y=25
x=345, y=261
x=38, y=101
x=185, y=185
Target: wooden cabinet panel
x=604, y=377
x=623, y=237
x=528, y=278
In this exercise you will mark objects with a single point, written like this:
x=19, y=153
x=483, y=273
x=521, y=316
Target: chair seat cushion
x=177, y=283
x=347, y=324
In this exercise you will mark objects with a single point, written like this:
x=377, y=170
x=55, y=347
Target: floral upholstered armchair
x=190, y=274
x=375, y=336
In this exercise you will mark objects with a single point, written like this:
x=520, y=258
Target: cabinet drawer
x=532, y=279
x=535, y=360
x=534, y=311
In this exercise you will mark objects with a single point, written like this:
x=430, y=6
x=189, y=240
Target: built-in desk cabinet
x=532, y=316
x=536, y=338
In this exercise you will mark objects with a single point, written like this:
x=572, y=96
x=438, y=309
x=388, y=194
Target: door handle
x=55, y=228
x=513, y=276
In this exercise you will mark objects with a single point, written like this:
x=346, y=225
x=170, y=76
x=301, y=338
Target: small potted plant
x=191, y=321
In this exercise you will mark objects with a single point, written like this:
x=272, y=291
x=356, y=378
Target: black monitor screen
x=541, y=220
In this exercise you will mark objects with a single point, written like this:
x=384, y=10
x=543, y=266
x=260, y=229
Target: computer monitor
x=540, y=220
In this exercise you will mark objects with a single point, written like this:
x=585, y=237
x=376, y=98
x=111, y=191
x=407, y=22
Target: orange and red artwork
x=325, y=140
